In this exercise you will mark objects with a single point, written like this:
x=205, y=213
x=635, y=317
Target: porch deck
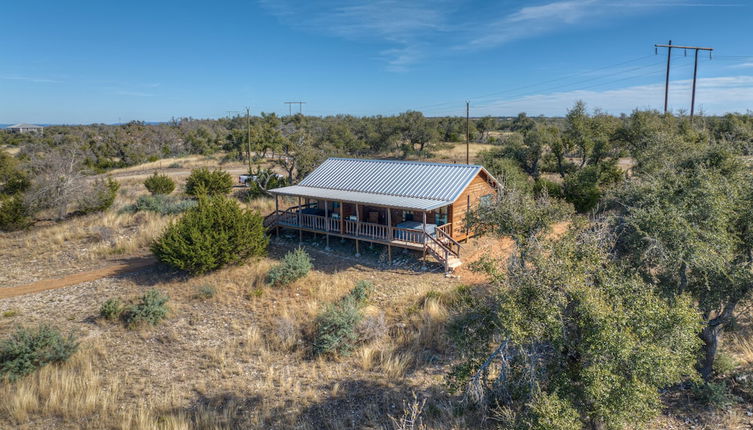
x=439, y=244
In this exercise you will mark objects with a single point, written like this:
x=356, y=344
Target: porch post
x=326, y=222
x=342, y=220
x=300, y=225
x=390, y=236
x=277, y=213
x=358, y=230
x=424, y=233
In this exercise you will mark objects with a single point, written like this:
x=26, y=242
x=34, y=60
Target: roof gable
x=422, y=180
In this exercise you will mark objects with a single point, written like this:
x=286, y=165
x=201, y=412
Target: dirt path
x=119, y=267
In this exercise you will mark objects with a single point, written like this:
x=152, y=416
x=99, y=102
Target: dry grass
x=74, y=390
x=165, y=163
x=457, y=152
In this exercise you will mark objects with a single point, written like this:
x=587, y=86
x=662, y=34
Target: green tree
x=686, y=226
x=215, y=233
x=416, y=130
x=571, y=340
x=159, y=184
x=485, y=125
x=210, y=182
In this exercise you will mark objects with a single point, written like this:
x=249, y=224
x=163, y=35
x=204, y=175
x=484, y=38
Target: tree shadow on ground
x=353, y=404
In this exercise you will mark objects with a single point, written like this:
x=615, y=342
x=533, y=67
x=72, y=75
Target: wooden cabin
x=409, y=204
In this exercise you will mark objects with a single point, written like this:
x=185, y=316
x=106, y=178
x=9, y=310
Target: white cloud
x=419, y=29
x=407, y=26
x=713, y=96
x=742, y=65
x=29, y=79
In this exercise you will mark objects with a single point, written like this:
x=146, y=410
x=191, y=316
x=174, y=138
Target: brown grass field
x=242, y=359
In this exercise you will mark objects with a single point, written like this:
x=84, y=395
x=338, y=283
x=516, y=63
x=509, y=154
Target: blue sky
x=102, y=61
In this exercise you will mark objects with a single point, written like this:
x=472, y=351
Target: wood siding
x=478, y=188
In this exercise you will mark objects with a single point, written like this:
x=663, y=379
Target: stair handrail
x=452, y=241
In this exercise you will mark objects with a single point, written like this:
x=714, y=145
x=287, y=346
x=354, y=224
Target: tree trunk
x=710, y=337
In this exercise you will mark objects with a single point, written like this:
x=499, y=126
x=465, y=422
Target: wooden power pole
x=467, y=132
x=290, y=107
x=669, y=47
x=248, y=124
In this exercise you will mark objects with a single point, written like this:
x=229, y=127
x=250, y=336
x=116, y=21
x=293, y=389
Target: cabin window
x=407, y=216
x=335, y=205
x=440, y=215
x=486, y=199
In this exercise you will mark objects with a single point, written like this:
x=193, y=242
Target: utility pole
x=695, y=72
x=666, y=81
x=290, y=107
x=467, y=132
x=248, y=124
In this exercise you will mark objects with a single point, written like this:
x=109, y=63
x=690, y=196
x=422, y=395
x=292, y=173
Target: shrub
x=159, y=184
x=175, y=165
x=210, y=182
x=27, y=350
x=161, y=204
x=361, y=291
x=265, y=179
x=714, y=394
x=551, y=188
x=215, y=233
x=14, y=215
x=205, y=292
x=111, y=309
x=336, y=328
x=150, y=310
x=100, y=197
x=295, y=265
x=582, y=189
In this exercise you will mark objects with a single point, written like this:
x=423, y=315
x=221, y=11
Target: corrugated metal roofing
x=423, y=180
x=406, y=184
x=361, y=198
x=24, y=125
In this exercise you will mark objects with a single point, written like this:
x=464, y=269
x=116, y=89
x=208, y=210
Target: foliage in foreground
x=573, y=341
x=14, y=214
x=295, y=265
x=151, y=309
x=100, y=197
x=28, y=349
x=215, y=233
x=161, y=204
x=159, y=184
x=337, y=326
x=203, y=181
x=685, y=224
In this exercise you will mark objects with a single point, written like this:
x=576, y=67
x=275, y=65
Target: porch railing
x=440, y=244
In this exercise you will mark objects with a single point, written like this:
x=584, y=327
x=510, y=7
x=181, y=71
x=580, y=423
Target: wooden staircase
x=444, y=249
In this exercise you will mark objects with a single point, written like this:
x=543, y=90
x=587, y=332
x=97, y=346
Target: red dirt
x=119, y=267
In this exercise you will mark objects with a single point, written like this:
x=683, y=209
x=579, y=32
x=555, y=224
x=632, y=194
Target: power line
x=290, y=107
x=515, y=97
x=669, y=47
x=561, y=78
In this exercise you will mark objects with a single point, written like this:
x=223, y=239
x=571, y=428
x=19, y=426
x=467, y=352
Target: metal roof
x=24, y=125
x=361, y=198
x=402, y=184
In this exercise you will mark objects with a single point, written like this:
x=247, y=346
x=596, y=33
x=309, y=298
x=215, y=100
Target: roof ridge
x=375, y=160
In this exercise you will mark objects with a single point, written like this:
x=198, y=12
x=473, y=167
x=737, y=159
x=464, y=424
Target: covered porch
x=421, y=230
